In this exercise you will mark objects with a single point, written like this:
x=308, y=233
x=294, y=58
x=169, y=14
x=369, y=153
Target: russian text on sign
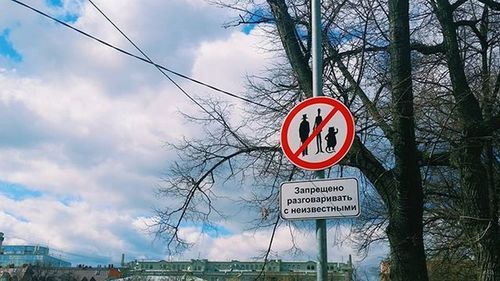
x=320, y=199
x=322, y=209
x=313, y=190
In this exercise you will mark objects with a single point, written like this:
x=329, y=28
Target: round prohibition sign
x=324, y=141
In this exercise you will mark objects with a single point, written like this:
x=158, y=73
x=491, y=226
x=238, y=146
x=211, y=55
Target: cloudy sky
x=83, y=127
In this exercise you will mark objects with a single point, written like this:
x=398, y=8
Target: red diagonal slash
x=315, y=132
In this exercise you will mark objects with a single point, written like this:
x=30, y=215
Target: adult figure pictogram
x=317, y=122
x=331, y=139
x=304, y=130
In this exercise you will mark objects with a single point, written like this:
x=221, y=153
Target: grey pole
x=317, y=57
x=317, y=73
x=322, y=262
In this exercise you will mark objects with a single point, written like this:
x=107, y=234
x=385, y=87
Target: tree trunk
x=479, y=216
x=405, y=230
x=286, y=29
x=400, y=189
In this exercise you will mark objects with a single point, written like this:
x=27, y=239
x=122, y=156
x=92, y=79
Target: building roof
x=19, y=255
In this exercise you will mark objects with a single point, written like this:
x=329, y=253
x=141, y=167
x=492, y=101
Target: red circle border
x=314, y=166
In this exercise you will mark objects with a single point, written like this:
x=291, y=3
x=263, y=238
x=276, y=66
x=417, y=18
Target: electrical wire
x=143, y=59
x=150, y=61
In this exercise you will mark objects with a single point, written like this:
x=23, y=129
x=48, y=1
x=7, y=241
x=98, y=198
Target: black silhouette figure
x=331, y=139
x=318, y=121
x=304, y=132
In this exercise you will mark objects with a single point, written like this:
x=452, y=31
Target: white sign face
x=318, y=199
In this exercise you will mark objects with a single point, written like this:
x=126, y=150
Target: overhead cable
x=140, y=58
x=150, y=61
x=163, y=72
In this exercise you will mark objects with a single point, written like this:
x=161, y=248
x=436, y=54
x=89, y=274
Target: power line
x=150, y=61
x=140, y=58
x=223, y=123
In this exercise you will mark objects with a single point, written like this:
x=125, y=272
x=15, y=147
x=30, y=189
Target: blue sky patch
x=55, y=3
x=247, y=28
x=69, y=17
x=69, y=200
x=63, y=14
x=256, y=16
x=6, y=47
x=17, y=192
x=216, y=231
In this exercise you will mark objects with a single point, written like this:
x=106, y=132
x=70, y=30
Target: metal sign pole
x=317, y=56
x=317, y=73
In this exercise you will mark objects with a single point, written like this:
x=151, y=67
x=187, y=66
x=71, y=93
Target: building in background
x=275, y=270
x=22, y=255
x=27, y=262
x=30, y=273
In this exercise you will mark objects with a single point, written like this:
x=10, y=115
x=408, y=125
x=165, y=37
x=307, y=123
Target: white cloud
x=74, y=228
x=248, y=245
x=231, y=59
x=86, y=125
x=94, y=121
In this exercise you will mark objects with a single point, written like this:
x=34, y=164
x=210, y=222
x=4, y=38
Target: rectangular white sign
x=317, y=199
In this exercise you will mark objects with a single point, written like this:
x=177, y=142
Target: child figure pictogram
x=331, y=139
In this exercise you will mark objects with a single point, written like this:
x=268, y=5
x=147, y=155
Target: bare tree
x=405, y=71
